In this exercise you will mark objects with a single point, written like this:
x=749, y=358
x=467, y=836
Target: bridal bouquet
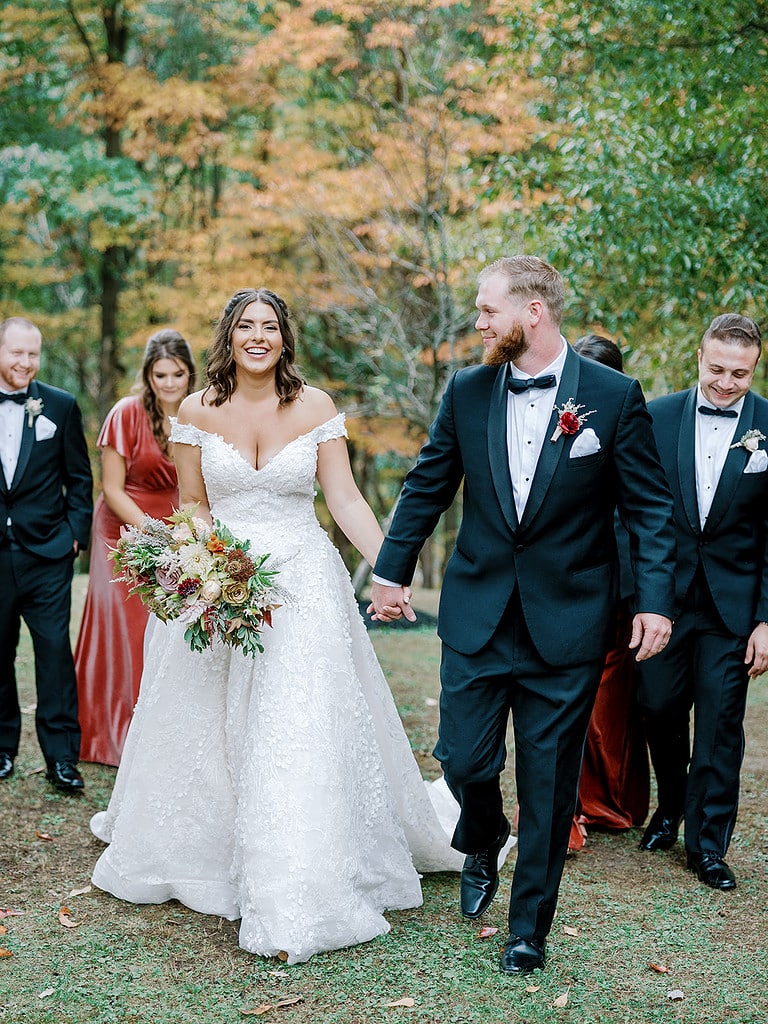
x=181, y=568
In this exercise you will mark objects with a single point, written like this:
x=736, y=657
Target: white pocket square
x=757, y=462
x=44, y=428
x=586, y=443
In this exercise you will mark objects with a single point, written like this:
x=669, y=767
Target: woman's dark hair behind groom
x=600, y=350
x=222, y=370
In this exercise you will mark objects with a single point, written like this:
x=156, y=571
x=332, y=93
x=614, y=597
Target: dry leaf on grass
x=532, y=988
x=45, y=993
x=487, y=932
x=65, y=919
x=11, y=913
x=3, y=930
x=405, y=1001
x=5, y=952
x=561, y=1000
x=282, y=955
x=80, y=892
x=257, y=1011
x=34, y=771
x=45, y=836
x=675, y=994
x=659, y=968
x=570, y=931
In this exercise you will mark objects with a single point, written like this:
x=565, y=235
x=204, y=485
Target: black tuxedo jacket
x=733, y=546
x=562, y=556
x=50, y=499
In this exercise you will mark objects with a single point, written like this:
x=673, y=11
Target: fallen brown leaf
x=65, y=919
x=3, y=930
x=561, y=1000
x=34, y=771
x=405, y=1001
x=532, y=988
x=289, y=1001
x=257, y=1010
x=486, y=932
x=675, y=994
x=659, y=968
x=11, y=913
x=80, y=892
x=44, y=835
x=5, y=952
x=570, y=931
x=282, y=955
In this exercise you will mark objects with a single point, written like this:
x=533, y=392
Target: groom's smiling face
x=500, y=321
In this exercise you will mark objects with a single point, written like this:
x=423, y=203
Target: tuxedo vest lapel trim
x=735, y=462
x=686, y=460
x=498, y=455
x=27, y=439
x=551, y=452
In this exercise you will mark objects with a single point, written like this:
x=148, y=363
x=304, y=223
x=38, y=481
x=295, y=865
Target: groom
x=547, y=445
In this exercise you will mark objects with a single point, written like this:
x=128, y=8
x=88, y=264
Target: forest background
x=365, y=159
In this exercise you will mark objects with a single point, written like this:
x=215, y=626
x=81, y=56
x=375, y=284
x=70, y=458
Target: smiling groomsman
x=45, y=519
x=712, y=442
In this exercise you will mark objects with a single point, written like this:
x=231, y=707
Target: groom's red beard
x=508, y=348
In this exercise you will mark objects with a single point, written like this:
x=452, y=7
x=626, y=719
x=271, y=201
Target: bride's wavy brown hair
x=222, y=369
x=164, y=344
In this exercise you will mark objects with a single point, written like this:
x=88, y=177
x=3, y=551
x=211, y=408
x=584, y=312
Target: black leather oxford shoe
x=6, y=764
x=65, y=776
x=480, y=877
x=521, y=956
x=661, y=833
x=712, y=870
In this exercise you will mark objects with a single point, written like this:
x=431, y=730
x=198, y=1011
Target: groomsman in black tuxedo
x=45, y=519
x=712, y=441
x=547, y=445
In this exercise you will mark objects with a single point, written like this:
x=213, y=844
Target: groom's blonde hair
x=529, y=277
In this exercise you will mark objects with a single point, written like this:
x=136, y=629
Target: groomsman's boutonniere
x=33, y=407
x=751, y=440
x=570, y=420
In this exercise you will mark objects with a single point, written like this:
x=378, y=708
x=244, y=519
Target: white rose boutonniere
x=751, y=440
x=33, y=407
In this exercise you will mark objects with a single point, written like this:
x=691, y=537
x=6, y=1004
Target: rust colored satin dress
x=615, y=783
x=110, y=646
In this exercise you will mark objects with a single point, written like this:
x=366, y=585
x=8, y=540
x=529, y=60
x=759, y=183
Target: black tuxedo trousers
x=550, y=709
x=38, y=591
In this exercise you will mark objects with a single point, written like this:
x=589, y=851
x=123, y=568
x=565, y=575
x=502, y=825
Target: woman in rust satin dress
x=615, y=783
x=138, y=478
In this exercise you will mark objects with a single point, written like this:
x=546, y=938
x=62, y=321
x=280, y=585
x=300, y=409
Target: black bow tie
x=517, y=386
x=19, y=398
x=705, y=409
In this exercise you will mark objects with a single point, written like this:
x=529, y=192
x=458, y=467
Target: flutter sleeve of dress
x=332, y=428
x=185, y=433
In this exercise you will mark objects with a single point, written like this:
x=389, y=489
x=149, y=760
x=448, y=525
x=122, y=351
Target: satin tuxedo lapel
x=733, y=468
x=551, y=453
x=498, y=454
x=686, y=460
x=27, y=440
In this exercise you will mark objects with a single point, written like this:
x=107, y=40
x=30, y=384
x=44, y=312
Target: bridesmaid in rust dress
x=615, y=780
x=138, y=478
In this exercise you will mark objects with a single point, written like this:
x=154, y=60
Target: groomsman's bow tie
x=517, y=386
x=19, y=398
x=705, y=409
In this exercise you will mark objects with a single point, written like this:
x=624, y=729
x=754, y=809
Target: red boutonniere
x=570, y=420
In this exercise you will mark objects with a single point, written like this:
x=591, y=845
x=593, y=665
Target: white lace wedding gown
x=280, y=790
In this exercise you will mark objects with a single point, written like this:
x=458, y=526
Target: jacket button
x=519, y=548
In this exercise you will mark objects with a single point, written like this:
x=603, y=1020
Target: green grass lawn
x=623, y=910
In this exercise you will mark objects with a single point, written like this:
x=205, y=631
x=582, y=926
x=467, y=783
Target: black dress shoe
x=712, y=870
x=65, y=776
x=661, y=833
x=6, y=764
x=522, y=957
x=480, y=877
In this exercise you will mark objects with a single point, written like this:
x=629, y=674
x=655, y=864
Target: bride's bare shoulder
x=199, y=410
x=316, y=405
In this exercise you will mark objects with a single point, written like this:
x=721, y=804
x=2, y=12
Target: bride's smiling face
x=257, y=342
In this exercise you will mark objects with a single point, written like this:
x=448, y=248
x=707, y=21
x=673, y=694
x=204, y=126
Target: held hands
x=389, y=603
x=757, y=650
x=650, y=633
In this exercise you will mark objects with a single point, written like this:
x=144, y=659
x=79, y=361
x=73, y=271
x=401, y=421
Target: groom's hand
x=389, y=603
x=650, y=633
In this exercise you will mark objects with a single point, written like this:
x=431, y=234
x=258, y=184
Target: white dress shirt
x=714, y=436
x=11, y=429
x=528, y=417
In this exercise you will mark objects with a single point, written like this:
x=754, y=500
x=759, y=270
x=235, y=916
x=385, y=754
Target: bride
x=280, y=790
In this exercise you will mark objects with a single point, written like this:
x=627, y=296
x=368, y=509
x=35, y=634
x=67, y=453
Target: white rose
x=210, y=591
x=751, y=444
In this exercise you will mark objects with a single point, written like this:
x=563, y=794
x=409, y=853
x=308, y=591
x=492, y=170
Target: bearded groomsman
x=712, y=444
x=546, y=445
x=45, y=519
